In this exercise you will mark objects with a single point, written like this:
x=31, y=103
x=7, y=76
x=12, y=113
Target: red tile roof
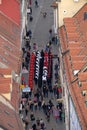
x=77, y=58
x=80, y=105
x=15, y=95
x=10, y=60
x=5, y=71
x=73, y=36
x=10, y=55
x=11, y=32
x=9, y=118
x=82, y=76
x=6, y=88
x=78, y=65
x=5, y=85
x=84, y=85
x=9, y=46
x=74, y=44
x=74, y=51
x=11, y=8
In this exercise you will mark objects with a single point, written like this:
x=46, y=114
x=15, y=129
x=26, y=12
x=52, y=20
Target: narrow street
x=40, y=27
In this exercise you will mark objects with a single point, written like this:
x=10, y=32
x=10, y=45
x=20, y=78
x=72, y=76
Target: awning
x=26, y=89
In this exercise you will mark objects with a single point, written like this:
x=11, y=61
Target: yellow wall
x=7, y=96
x=68, y=8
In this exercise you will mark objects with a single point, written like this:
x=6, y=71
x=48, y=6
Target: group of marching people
x=35, y=99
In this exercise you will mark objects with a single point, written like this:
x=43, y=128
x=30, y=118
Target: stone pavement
x=40, y=34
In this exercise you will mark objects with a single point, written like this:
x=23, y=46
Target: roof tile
x=9, y=119
x=76, y=40
x=11, y=32
x=12, y=13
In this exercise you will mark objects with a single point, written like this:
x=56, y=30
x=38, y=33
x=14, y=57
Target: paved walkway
x=40, y=34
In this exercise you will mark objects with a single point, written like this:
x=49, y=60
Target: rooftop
x=6, y=7
x=73, y=37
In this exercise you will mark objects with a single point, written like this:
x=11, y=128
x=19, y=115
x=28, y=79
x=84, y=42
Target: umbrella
x=23, y=99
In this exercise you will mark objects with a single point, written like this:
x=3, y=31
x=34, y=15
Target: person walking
x=44, y=14
x=36, y=3
x=55, y=113
x=48, y=116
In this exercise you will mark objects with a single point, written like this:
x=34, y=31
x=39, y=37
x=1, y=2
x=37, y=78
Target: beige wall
x=4, y=101
x=68, y=8
x=8, y=95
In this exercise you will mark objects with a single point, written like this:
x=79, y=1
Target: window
x=79, y=83
x=86, y=103
x=85, y=15
x=84, y=93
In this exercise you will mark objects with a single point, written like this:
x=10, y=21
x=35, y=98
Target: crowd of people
x=36, y=101
x=44, y=93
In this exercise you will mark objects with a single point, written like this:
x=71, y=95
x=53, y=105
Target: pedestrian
x=63, y=116
x=30, y=10
x=32, y=117
x=36, y=3
x=38, y=121
x=22, y=79
x=44, y=90
x=31, y=18
x=50, y=31
x=51, y=103
x=47, y=47
x=26, y=109
x=51, y=93
x=39, y=104
x=55, y=113
x=46, y=93
x=34, y=46
x=44, y=14
x=50, y=36
x=29, y=33
x=34, y=126
x=48, y=116
x=57, y=93
x=35, y=105
x=44, y=106
x=42, y=124
x=60, y=114
x=54, y=89
x=31, y=104
x=20, y=108
x=26, y=121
